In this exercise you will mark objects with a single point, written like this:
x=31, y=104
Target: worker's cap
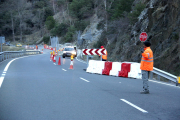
x=102, y=46
x=147, y=43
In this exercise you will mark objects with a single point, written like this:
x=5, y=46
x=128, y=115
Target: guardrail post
x=158, y=77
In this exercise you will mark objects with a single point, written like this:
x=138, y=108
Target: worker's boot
x=144, y=92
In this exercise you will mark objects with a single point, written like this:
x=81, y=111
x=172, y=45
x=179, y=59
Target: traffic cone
x=71, y=65
x=59, y=62
x=54, y=58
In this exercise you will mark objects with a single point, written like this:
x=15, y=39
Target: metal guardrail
x=13, y=54
x=163, y=74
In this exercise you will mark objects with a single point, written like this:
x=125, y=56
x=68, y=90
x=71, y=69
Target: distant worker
x=36, y=47
x=146, y=65
x=104, y=57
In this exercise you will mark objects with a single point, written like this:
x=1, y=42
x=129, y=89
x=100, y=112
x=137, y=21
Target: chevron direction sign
x=94, y=51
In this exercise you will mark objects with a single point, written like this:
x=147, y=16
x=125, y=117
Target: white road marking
x=64, y=70
x=54, y=63
x=84, y=79
x=119, y=82
x=1, y=80
x=164, y=83
x=80, y=60
x=140, y=109
x=6, y=68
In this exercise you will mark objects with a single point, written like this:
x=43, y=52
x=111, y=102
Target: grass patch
x=11, y=48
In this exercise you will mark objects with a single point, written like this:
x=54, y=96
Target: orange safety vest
x=147, y=60
x=105, y=56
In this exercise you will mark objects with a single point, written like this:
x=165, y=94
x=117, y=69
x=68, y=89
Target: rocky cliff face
x=161, y=21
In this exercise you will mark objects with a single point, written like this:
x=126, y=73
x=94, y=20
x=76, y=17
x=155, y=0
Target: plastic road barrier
x=116, y=67
x=125, y=68
x=107, y=68
x=91, y=67
x=99, y=67
x=135, y=71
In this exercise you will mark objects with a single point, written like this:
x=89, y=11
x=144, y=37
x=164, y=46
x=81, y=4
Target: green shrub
x=60, y=30
x=46, y=39
x=69, y=34
x=119, y=7
x=81, y=25
x=39, y=4
x=50, y=22
x=81, y=8
x=48, y=12
x=137, y=11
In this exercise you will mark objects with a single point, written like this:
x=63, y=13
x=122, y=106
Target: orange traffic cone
x=54, y=58
x=71, y=65
x=59, y=62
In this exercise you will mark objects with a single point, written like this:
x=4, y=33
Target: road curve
x=34, y=88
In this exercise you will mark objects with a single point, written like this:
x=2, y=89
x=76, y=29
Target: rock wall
x=161, y=20
x=91, y=33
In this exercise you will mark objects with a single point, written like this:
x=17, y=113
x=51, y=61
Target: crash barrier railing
x=13, y=54
x=126, y=69
x=164, y=74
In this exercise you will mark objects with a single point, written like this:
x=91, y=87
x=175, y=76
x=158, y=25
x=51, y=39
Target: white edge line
x=164, y=83
x=1, y=81
x=140, y=109
x=6, y=68
x=84, y=79
x=64, y=70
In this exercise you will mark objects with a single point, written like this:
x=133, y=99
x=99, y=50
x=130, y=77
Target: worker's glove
x=142, y=50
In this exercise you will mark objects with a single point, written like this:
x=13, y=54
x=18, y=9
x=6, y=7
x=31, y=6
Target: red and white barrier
x=99, y=67
x=91, y=67
x=107, y=68
x=116, y=67
x=135, y=71
x=124, y=69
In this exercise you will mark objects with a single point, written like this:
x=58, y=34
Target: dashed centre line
x=64, y=70
x=140, y=109
x=84, y=79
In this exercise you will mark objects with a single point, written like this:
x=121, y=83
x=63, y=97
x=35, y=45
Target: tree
x=70, y=33
x=60, y=30
x=119, y=7
x=81, y=8
x=50, y=22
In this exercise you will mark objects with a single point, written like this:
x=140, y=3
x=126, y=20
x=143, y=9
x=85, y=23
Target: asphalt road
x=34, y=88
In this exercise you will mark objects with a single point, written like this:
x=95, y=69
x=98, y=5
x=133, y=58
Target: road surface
x=33, y=88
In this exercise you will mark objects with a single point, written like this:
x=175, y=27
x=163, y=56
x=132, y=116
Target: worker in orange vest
x=146, y=65
x=36, y=47
x=104, y=57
